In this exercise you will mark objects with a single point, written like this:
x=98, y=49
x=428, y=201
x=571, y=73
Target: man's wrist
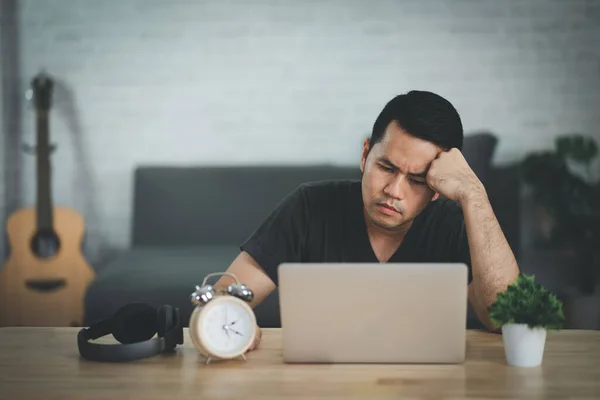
x=474, y=196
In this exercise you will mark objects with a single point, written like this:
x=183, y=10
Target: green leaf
x=527, y=302
x=579, y=148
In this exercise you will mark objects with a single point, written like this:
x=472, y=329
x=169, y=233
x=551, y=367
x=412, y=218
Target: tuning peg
x=29, y=97
x=29, y=149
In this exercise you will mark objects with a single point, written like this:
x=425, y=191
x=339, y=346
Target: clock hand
x=236, y=332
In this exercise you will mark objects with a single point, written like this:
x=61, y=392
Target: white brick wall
x=199, y=82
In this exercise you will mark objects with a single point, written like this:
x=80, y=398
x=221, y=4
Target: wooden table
x=44, y=363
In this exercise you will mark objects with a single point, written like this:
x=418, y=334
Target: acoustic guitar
x=44, y=280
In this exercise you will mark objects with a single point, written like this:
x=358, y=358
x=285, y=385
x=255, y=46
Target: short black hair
x=424, y=115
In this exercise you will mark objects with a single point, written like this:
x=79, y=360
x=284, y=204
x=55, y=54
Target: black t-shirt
x=324, y=222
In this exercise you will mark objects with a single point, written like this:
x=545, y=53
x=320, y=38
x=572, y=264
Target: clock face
x=227, y=326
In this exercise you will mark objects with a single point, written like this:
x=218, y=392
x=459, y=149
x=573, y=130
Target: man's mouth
x=387, y=209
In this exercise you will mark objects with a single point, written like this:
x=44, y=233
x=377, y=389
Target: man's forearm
x=493, y=262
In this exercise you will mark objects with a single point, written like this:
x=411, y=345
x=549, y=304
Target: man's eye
x=418, y=182
x=386, y=168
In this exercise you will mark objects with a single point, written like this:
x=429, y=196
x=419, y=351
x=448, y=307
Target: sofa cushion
x=187, y=206
x=160, y=276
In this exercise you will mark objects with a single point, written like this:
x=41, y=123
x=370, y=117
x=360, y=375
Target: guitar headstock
x=42, y=86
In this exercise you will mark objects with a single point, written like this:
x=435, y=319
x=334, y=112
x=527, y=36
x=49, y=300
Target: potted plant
x=563, y=185
x=525, y=311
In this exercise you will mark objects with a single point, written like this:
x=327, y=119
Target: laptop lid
x=373, y=313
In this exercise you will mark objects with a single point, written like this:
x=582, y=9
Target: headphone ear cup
x=177, y=328
x=166, y=320
x=135, y=322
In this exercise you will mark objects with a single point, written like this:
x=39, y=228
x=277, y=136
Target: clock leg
x=207, y=360
x=243, y=357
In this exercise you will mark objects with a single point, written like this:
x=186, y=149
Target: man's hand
x=256, y=339
x=451, y=176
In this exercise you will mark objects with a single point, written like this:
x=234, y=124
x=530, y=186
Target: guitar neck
x=44, y=196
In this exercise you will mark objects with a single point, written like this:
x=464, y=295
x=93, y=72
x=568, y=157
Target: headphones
x=134, y=326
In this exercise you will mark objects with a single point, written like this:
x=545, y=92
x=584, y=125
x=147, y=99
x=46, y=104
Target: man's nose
x=396, y=187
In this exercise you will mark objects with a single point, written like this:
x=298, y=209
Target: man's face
x=394, y=184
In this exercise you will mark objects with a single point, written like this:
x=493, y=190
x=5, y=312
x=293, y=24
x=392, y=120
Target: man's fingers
x=254, y=345
x=256, y=342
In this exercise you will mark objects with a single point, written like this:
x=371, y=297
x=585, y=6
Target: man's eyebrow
x=422, y=174
x=388, y=162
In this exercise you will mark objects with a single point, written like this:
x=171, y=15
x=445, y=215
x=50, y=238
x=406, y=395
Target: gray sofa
x=190, y=221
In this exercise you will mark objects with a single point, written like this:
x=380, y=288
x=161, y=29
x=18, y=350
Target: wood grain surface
x=44, y=363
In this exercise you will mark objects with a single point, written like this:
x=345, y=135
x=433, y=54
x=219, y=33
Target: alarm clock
x=222, y=325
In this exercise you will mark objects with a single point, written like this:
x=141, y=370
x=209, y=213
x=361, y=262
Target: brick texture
x=236, y=82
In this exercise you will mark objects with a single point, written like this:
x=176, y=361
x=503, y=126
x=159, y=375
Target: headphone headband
x=131, y=350
x=118, y=352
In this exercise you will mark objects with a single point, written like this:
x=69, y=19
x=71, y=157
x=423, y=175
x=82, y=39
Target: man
x=418, y=201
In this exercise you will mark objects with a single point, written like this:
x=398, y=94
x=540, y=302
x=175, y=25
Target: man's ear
x=365, y=153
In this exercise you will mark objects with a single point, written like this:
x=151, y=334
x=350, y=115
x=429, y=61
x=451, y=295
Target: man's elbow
x=481, y=309
x=481, y=306
x=490, y=326
x=484, y=318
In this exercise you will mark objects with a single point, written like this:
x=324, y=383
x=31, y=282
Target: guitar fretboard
x=44, y=196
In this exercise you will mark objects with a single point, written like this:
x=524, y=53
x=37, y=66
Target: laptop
x=373, y=313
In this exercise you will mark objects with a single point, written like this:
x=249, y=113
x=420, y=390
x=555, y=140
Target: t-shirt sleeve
x=281, y=236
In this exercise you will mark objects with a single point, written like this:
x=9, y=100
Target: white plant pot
x=523, y=346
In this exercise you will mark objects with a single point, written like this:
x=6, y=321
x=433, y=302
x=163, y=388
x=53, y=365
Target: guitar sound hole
x=45, y=243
